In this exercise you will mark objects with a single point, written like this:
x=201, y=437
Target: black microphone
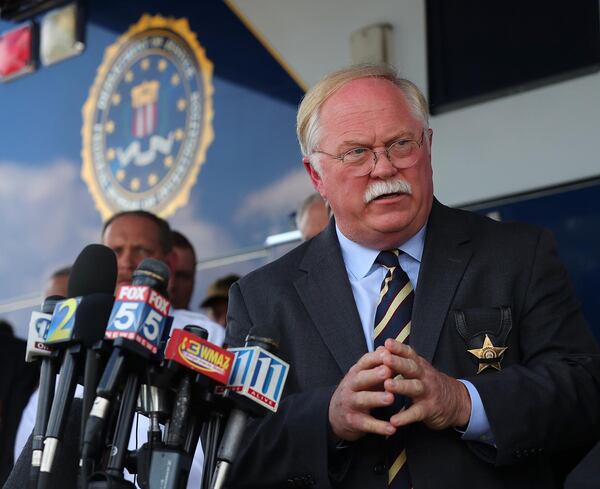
x=152, y=273
x=153, y=395
x=201, y=365
x=37, y=350
x=76, y=324
x=136, y=326
x=256, y=385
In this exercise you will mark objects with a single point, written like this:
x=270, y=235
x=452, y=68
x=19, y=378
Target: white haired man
x=429, y=347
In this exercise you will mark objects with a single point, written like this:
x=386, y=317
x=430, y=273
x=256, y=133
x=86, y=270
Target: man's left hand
x=438, y=400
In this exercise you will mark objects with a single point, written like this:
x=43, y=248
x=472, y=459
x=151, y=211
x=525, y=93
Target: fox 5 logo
x=136, y=318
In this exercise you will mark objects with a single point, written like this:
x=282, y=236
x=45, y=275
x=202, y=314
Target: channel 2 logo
x=63, y=321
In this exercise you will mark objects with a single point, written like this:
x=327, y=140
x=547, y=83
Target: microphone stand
x=58, y=414
x=212, y=437
x=171, y=464
x=45, y=398
x=49, y=366
x=237, y=421
x=112, y=477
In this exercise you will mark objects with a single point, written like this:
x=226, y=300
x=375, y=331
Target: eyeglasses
x=402, y=154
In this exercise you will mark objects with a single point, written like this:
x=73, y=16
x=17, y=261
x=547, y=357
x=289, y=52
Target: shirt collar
x=359, y=259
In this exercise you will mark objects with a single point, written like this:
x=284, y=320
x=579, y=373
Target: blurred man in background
x=217, y=298
x=312, y=216
x=183, y=276
x=135, y=235
x=58, y=282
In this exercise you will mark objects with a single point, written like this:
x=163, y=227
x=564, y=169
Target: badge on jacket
x=485, y=331
x=488, y=355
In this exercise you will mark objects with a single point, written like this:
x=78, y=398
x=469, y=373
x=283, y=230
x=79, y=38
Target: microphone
x=39, y=324
x=200, y=355
x=76, y=324
x=37, y=350
x=136, y=325
x=256, y=384
x=202, y=365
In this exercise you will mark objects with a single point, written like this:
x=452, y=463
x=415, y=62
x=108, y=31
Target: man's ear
x=314, y=175
x=430, y=138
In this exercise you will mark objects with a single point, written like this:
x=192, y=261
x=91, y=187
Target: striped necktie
x=392, y=320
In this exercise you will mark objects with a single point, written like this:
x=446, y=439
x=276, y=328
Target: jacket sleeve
x=550, y=401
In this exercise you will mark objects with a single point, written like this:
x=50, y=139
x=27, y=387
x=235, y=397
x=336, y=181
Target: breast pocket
x=485, y=332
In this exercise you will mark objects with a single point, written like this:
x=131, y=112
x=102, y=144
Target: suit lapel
x=326, y=293
x=446, y=254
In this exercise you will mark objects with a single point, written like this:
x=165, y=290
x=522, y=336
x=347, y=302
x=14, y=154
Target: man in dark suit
x=493, y=375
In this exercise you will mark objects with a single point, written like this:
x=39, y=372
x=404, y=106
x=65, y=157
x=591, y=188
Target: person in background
x=429, y=347
x=17, y=382
x=6, y=329
x=312, y=216
x=58, y=283
x=183, y=278
x=217, y=298
x=135, y=235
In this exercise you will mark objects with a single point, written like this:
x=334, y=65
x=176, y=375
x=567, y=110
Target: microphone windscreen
x=264, y=336
x=94, y=271
x=91, y=318
x=153, y=273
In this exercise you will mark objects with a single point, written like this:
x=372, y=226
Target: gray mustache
x=377, y=189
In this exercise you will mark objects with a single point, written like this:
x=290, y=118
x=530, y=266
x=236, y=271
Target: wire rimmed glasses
x=402, y=153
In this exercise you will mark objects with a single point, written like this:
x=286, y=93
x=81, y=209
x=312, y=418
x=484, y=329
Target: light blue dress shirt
x=366, y=277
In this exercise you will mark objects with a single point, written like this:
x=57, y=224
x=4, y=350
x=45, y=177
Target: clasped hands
x=437, y=399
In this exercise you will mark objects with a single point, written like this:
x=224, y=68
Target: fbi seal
x=147, y=123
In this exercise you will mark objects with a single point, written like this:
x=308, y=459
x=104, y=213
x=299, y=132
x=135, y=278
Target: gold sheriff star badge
x=488, y=355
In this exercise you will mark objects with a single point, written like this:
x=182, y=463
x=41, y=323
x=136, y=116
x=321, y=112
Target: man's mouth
x=388, y=196
x=123, y=279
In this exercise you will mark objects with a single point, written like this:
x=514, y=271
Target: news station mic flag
x=256, y=386
x=38, y=351
x=199, y=366
x=137, y=324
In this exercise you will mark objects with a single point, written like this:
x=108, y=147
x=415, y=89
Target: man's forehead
x=357, y=94
x=361, y=104
x=132, y=229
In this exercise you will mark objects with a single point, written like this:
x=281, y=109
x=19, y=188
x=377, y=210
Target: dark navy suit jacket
x=478, y=277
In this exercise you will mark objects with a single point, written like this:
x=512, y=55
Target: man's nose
x=382, y=166
x=126, y=260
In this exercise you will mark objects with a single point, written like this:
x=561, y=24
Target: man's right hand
x=360, y=391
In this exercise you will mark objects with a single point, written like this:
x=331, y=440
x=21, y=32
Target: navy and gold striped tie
x=392, y=320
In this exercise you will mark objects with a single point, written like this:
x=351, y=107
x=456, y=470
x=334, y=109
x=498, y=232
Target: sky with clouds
x=267, y=202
